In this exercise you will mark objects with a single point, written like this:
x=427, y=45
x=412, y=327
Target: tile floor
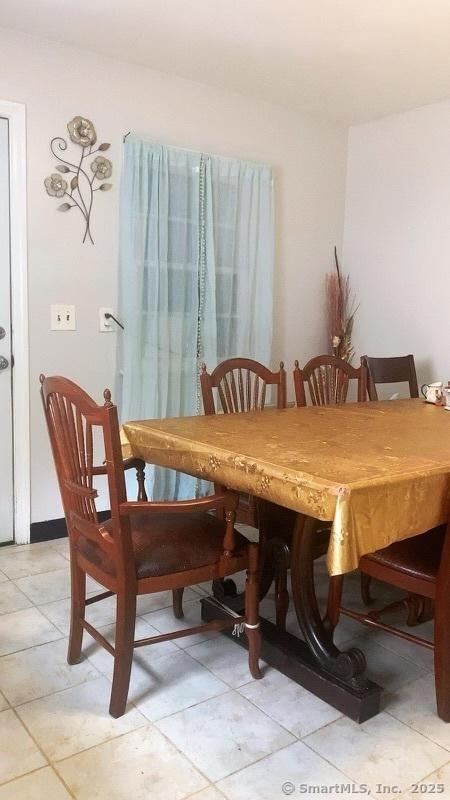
x=197, y=726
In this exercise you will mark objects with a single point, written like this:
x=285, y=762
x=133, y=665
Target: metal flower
x=101, y=167
x=82, y=131
x=55, y=185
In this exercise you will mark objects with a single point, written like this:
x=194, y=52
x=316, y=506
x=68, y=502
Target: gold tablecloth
x=378, y=471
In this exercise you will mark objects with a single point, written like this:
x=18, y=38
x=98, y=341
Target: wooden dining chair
x=419, y=565
x=398, y=369
x=143, y=547
x=239, y=385
x=327, y=379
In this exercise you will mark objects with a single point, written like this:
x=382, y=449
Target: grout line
x=227, y=688
x=419, y=733
x=61, y=779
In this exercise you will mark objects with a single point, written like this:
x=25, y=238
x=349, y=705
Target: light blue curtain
x=239, y=247
x=159, y=298
x=196, y=280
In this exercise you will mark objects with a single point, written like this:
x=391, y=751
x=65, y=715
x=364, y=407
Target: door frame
x=15, y=114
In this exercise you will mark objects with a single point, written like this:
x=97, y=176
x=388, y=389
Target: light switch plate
x=62, y=317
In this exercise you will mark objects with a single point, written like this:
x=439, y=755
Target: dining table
x=373, y=473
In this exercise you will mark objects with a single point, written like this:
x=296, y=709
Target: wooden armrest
x=81, y=491
x=128, y=463
x=213, y=501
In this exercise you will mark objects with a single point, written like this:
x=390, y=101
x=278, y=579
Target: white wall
x=397, y=236
x=56, y=83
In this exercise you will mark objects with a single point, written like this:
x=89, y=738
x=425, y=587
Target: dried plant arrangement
x=341, y=312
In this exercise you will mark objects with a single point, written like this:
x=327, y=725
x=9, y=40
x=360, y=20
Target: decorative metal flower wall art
x=80, y=189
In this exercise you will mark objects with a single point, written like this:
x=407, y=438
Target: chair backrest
x=399, y=369
x=327, y=378
x=241, y=385
x=72, y=419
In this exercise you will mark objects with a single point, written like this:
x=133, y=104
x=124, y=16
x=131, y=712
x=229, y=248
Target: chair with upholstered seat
x=239, y=385
x=143, y=547
x=419, y=565
x=327, y=379
x=393, y=370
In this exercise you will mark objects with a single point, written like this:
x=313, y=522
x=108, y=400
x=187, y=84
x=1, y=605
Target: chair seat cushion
x=418, y=556
x=168, y=543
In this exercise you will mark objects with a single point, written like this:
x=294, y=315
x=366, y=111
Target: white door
x=6, y=434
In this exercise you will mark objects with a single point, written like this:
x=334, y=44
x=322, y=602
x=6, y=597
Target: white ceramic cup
x=432, y=392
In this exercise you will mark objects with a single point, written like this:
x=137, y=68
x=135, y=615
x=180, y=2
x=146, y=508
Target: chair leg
x=414, y=605
x=365, y=589
x=177, y=595
x=252, y=612
x=281, y=599
x=123, y=658
x=334, y=599
x=427, y=610
x=77, y=609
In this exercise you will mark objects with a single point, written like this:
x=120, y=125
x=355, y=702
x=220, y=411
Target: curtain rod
x=200, y=152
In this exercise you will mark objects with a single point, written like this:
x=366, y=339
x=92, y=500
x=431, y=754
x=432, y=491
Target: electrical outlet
x=62, y=318
x=105, y=325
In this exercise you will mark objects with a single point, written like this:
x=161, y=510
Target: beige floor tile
x=415, y=705
x=20, y=562
x=381, y=750
x=211, y=793
x=289, y=704
x=61, y=546
x=164, y=621
x=23, y=629
x=98, y=614
x=73, y=720
x=40, y=785
x=421, y=656
x=225, y=659
x=23, y=548
x=3, y=701
x=291, y=767
x=18, y=752
x=203, y=588
x=385, y=667
x=224, y=734
x=40, y=671
x=152, y=602
x=46, y=586
x=164, y=685
x=141, y=765
x=3, y=577
x=11, y=598
x=104, y=661
x=435, y=785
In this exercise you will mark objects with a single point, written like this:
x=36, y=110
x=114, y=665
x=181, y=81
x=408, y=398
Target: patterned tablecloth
x=378, y=471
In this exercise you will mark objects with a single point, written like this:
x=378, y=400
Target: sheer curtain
x=196, y=280
x=159, y=300
x=238, y=284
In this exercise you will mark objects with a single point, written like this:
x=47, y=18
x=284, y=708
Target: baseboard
x=54, y=528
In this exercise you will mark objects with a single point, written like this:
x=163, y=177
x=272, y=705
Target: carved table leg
x=348, y=666
x=313, y=662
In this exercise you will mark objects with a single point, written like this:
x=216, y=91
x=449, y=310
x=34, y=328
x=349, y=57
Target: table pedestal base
x=291, y=656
